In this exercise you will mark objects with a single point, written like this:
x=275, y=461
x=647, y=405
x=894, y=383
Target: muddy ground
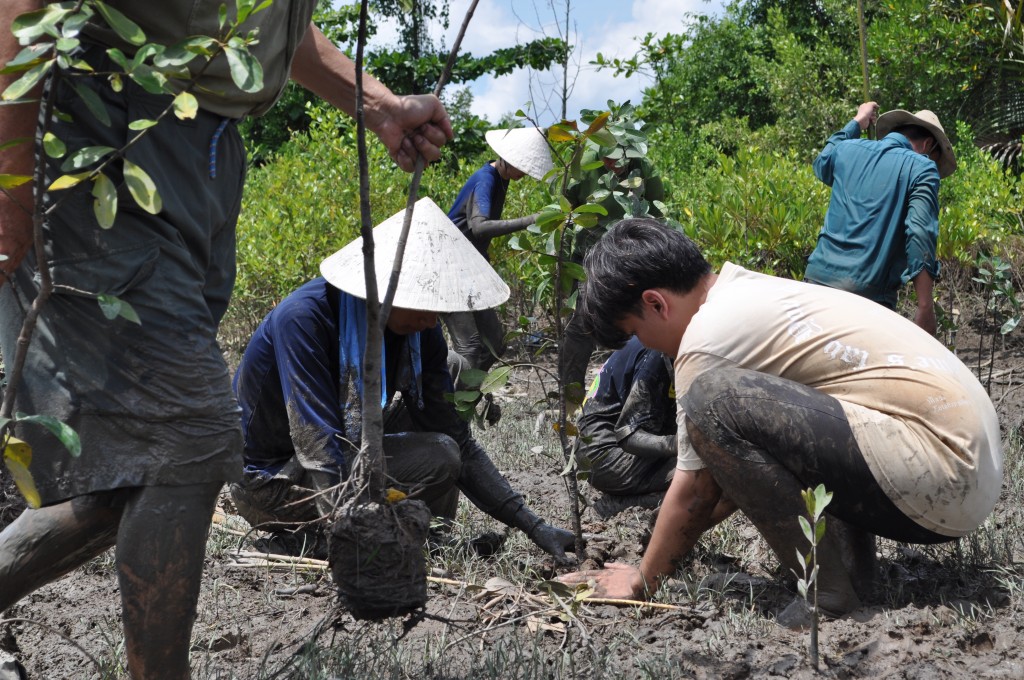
x=942, y=612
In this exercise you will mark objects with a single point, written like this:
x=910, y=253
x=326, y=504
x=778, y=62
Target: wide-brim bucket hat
x=929, y=121
x=525, y=149
x=441, y=271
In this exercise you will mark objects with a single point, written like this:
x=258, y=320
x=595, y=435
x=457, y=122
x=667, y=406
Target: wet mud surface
x=941, y=612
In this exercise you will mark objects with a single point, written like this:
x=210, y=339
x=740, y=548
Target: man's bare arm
x=15, y=121
x=407, y=125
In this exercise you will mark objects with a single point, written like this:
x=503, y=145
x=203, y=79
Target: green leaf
x=67, y=436
x=86, y=156
x=113, y=307
x=603, y=138
x=93, y=102
x=185, y=106
x=31, y=26
x=472, y=377
x=141, y=124
x=18, y=458
x=11, y=181
x=586, y=220
x=1009, y=325
x=821, y=498
x=574, y=270
x=149, y=79
x=67, y=181
x=23, y=85
x=222, y=16
x=548, y=218
x=805, y=526
x=819, y=530
x=592, y=208
x=246, y=71
x=53, y=146
x=495, y=380
x=462, y=397
x=142, y=188
x=105, y=204
x=127, y=29
x=26, y=59
x=564, y=204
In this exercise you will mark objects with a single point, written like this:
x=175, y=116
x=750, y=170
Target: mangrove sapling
x=816, y=500
x=378, y=535
x=50, y=37
x=1001, y=305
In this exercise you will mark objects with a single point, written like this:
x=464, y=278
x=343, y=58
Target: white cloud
x=598, y=26
x=603, y=26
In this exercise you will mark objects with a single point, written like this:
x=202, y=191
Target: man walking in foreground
x=882, y=223
x=152, y=401
x=789, y=386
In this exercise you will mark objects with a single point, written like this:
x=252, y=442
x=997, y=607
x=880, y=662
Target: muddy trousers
x=160, y=538
x=424, y=465
x=574, y=358
x=765, y=439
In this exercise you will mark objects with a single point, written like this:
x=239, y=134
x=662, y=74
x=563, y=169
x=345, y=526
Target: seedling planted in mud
x=816, y=500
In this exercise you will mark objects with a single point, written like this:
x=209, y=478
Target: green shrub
x=759, y=209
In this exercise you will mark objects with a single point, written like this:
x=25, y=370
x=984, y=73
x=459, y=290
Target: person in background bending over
x=882, y=223
x=478, y=337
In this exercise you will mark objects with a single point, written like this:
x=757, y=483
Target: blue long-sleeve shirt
x=882, y=223
x=292, y=389
x=483, y=194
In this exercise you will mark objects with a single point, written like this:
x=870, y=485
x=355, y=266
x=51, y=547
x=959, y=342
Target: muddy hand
x=554, y=541
x=616, y=580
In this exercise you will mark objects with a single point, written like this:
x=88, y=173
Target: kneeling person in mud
x=300, y=387
x=627, y=429
x=791, y=385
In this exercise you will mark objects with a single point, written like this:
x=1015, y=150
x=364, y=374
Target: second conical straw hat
x=523, y=148
x=441, y=271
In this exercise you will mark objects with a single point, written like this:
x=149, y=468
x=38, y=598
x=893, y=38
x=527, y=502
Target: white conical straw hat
x=441, y=271
x=525, y=149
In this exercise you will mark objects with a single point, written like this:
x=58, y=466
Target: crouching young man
x=300, y=386
x=791, y=385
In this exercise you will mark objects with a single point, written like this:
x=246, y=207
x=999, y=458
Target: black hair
x=636, y=254
x=916, y=133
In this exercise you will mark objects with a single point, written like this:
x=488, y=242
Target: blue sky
x=612, y=28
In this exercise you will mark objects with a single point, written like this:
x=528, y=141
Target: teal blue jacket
x=882, y=222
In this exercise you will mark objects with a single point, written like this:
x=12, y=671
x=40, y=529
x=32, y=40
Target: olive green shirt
x=281, y=27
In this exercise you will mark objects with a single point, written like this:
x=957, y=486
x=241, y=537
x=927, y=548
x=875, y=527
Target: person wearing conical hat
x=300, y=387
x=882, y=223
x=478, y=336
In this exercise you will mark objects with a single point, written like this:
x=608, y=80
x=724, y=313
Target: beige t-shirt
x=926, y=427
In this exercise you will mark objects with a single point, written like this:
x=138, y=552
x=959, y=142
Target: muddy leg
x=160, y=550
x=765, y=439
x=44, y=544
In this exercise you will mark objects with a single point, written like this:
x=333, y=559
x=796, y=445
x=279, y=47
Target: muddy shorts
x=151, y=401
x=762, y=420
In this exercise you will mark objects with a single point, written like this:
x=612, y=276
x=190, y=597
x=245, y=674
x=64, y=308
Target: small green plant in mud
x=1001, y=306
x=816, y=500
